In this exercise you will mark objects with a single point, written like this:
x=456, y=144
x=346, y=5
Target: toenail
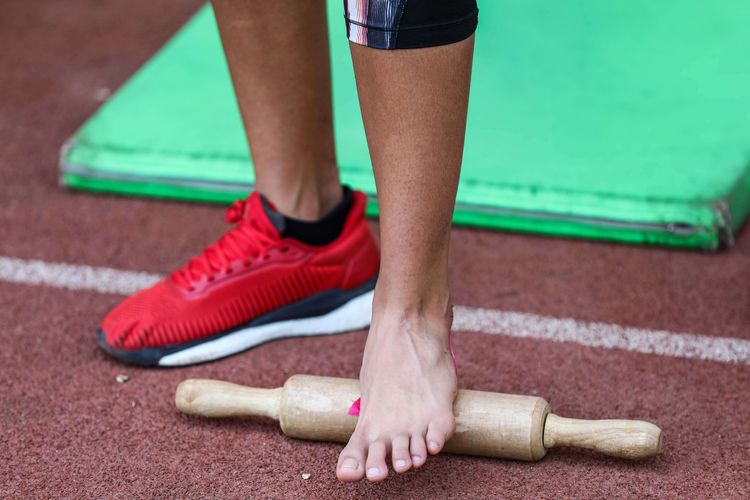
x=416, y=458
x=433, y=444
x=373, y=471
x=400, y=463
x=349, y=463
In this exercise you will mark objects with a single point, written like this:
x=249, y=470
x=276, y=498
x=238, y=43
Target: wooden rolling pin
x=487, y=424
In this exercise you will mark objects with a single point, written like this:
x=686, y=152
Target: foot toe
x=351, y=465
x=438, y=433
x=418, y=450
x=375, y=468
x=400, y=454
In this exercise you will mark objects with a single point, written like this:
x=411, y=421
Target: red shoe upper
x=250, y=271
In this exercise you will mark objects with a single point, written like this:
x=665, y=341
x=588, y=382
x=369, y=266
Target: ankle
x=326, y=229
x=421, y=289
x=305, y=200
x=395, y=309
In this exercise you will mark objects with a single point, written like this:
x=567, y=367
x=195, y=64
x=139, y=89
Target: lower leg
x=283, y=87
x=414, y=108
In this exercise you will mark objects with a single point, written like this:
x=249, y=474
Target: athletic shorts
x=409, y=24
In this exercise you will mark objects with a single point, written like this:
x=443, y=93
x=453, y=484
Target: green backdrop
x=626, y=120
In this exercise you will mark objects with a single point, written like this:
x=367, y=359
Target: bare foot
x=408, y=383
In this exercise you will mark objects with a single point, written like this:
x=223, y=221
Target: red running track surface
x=69, y=429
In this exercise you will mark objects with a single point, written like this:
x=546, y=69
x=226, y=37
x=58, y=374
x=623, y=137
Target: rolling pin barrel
x=487, y=424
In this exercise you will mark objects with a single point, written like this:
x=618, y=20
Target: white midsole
x=354, y=315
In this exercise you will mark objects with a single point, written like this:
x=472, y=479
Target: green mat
x=626, y=120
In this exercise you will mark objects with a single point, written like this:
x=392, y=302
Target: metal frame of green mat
x=576, y=127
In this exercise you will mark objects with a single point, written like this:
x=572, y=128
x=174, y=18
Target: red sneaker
x=252, y=286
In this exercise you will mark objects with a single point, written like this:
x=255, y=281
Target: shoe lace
x=244, y=242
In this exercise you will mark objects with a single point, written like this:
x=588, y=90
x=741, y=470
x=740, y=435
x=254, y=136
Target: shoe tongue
x=265, y=214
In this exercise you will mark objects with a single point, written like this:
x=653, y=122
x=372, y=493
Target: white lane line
x=471, y=319
x=73, y=277
x=608, y=336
